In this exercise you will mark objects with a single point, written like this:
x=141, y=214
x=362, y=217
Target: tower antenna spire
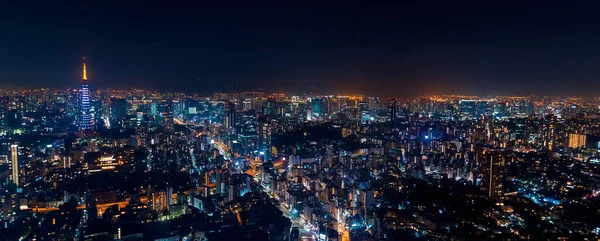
x=84, y=70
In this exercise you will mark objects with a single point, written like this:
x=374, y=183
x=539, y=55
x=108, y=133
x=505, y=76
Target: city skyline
x=292, y=122
x=380, y=49
x=441, y=94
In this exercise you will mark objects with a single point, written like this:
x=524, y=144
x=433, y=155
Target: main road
x=306, y=231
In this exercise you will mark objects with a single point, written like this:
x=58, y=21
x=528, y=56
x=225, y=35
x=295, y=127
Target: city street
x=305, y=232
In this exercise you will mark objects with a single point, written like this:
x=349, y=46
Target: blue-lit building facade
x=85, y=122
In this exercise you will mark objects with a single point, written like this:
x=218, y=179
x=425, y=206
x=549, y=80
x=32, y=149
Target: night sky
x=384, y=49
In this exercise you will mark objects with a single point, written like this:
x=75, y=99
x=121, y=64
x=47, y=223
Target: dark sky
x=386, y=49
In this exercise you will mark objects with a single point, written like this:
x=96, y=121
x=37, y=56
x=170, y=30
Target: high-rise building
x=271, y=106
x=577, y=140
x=13, y=119
x=317, y=107
x=496, y=173
x=230, y=118
x=329, y=155
x=153, y=109
x=90, y=207
x=168, y=119
x=500, y=109
x=483, y=108
x=309, y=114
x=85, y=122
x=239, y=184
x=118, y=109
x=14, y=158
x=220, y=181
x=264, y=139
x=467, y=108
x=549, y=131
x=96, y=109
x=169, y=195
x=4, y=104
x=393, y=109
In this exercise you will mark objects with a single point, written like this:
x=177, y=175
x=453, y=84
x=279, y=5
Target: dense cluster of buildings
x=90, y=164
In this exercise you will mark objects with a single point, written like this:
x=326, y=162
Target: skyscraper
x=90, y=207
x=317, y=107
x=230, y=119
x=14, y=158
x=4, y=104
x=153, y=108
x=467, y=108
x=577, y=140
x=221, y=181
x=264, y=138
x=393, y=107
x=168, y=119
x=118, y=109
x=86, y=122
x=549, y=131
x=271, y=106
x=496, y=173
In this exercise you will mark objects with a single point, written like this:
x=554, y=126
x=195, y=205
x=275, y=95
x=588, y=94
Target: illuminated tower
x=496, y=173
x=14, y=158
x=264, y=138
x=86, y=122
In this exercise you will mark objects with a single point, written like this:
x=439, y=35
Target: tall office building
x=4, y=107
x=153, y=110
x=90, y=206
x=142, y=133
x=85, y=122
x=221, y=181
x=230, y=118
x=329, y=155
x=96, y=109
x=393, y=109
x=549, y=131
x=495, y=173
x=577, y=140
x=168, y=119
x=271, y=106
x=118, y=109
x=317, y=107
x=169, y=195
x=467, y=108
x=14, y=158
x=13, y=119
x=264, y=138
